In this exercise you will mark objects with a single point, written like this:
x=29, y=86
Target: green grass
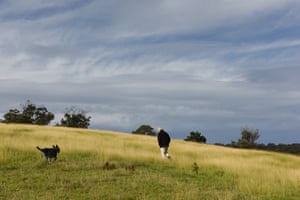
x=136, y=169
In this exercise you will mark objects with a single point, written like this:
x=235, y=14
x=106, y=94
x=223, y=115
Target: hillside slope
x=96, y=164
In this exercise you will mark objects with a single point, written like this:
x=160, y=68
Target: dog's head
x=56, y=147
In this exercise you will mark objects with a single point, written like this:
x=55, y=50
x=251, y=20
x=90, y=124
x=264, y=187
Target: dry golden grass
x=255, y=172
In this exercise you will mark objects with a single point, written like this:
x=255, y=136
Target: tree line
x=250, y=136
x=31, y=113
x=195, y=136
x=247, y=140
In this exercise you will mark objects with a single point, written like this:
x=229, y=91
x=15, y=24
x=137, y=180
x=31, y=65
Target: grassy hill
x=109, y=165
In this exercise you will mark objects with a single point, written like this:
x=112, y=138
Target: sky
x=210, y=66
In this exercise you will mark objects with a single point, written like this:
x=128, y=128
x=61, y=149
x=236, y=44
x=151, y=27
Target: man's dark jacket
x=163, y=139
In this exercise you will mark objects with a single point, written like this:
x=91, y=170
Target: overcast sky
x=194, y=65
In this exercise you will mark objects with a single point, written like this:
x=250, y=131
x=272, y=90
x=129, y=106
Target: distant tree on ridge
x=75, y=118
x=196, y=136
x=145, y=130
x=30, y=114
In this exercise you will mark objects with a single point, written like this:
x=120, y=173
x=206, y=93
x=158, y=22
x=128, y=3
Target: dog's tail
x=38, y=148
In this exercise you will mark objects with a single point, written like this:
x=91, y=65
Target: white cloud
x=213, y=65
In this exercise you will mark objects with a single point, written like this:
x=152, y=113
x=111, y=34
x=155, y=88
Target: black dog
x=49, y=153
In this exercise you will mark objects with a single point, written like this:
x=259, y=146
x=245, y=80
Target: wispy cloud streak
x=214, y=66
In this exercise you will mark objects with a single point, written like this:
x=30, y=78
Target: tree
x=12, y=116
x=196, y=136
x=144, y=130
x=248, y=137
x=30, y=114
x=75, y=118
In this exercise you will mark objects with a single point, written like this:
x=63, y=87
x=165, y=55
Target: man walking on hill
x=163, y=142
